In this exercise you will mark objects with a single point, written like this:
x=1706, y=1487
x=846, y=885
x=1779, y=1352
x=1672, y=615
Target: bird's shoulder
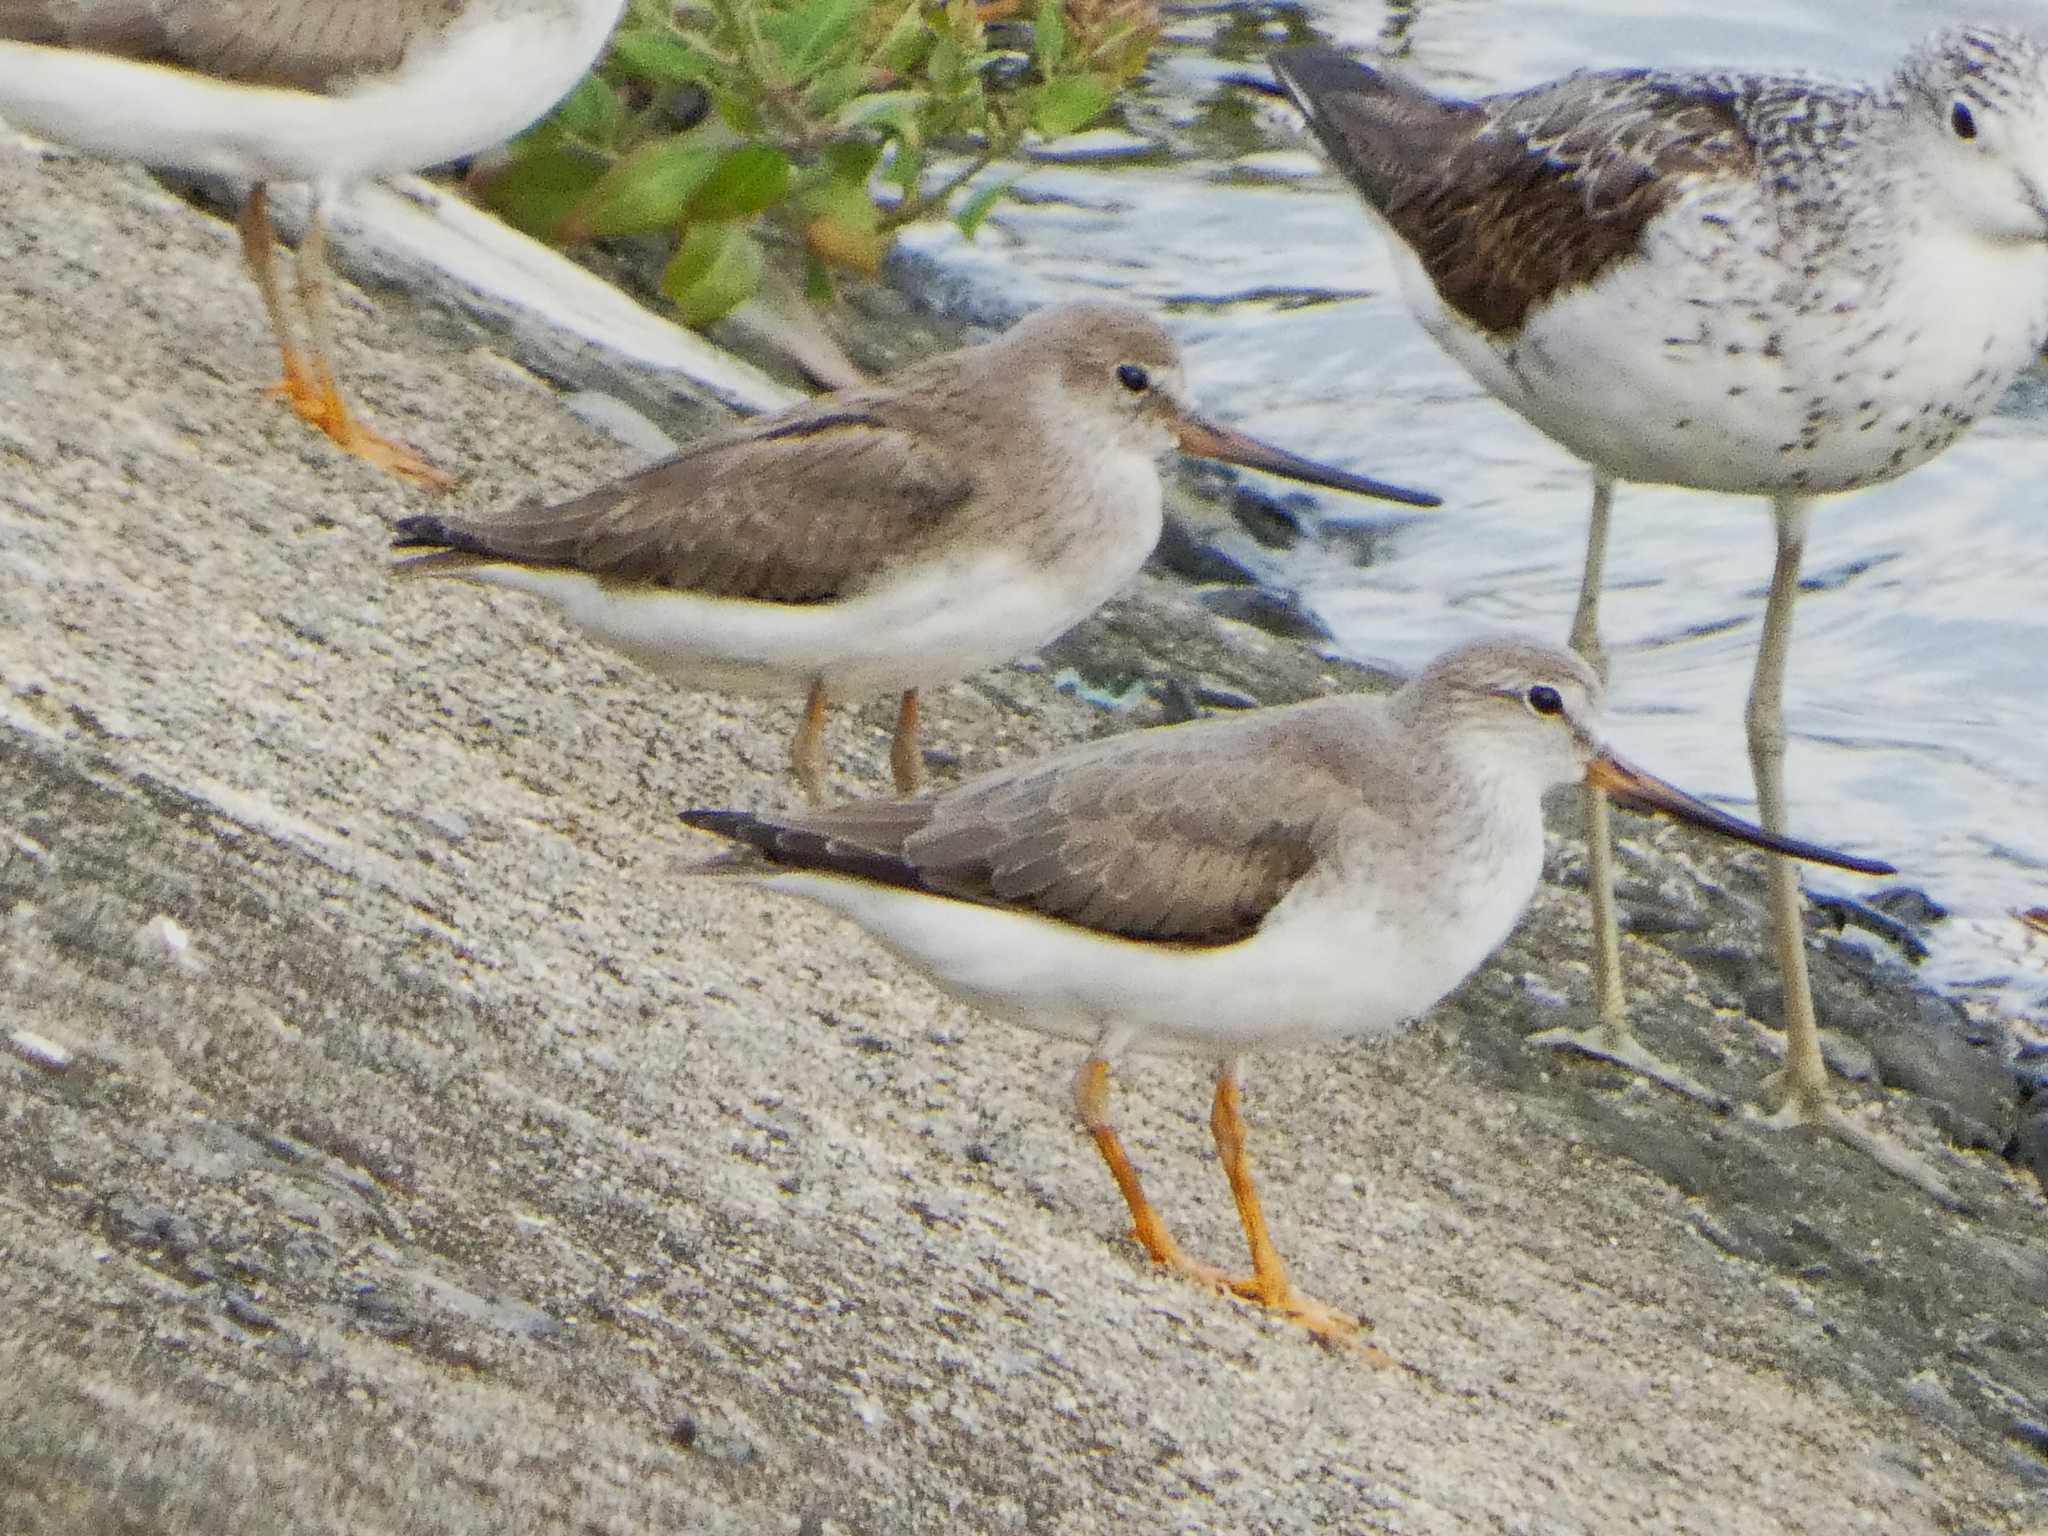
x=1511, y=200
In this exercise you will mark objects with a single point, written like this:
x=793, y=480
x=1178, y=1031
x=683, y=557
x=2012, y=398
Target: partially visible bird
x=1751, y=283
x=320, y=91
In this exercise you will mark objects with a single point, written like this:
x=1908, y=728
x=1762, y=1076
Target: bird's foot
x=319, y=404
x=1624, y=1050
x=1803, y=1103
x=1338, y=1329
x=1332, y=1326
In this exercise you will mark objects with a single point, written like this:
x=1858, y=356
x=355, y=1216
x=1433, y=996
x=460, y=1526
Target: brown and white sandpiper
x=319, y=91
x=1278, y=877
x=882, y=539
x=1757, y=284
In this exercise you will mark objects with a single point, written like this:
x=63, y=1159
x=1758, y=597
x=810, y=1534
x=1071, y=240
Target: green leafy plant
x=817, y=122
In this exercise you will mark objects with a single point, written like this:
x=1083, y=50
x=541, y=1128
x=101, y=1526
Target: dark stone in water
x=2030, y=1140
x=1187, y=552
x=1909, y=905
x=1895, y=929
x=1278, y=522
x=1277, y=613
x=1927, y=1050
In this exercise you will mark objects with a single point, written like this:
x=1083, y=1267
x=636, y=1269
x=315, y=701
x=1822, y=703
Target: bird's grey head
x=1976, y=105
x=1112, y=360
x=1112, y=375
x=1515, y=705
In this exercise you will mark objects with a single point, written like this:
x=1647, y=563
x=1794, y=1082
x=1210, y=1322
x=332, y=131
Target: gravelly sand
x=429, y=1160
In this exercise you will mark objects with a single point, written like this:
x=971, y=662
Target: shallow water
x=1918, y=697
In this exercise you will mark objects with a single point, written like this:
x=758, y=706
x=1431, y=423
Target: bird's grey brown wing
x=1187, y=836
x=312, y=44
x=1508, y=200
x=804, y=507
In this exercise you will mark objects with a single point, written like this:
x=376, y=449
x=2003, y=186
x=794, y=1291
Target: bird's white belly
x=1332, y=970
x=485, y=82
x=1744, y=394
x=940, y=623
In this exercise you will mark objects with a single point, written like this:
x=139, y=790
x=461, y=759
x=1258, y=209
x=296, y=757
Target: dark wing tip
x=425, y=531
x=803, y=848
x=740, y=826
x=422, y=532
x=1312, y=72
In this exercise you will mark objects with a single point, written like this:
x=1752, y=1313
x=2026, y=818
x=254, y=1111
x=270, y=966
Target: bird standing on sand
x=1277, y=877
x=882, y=539
x=320, y=91
x=1747, y=283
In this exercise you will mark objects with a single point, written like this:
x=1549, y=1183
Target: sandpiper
x=1278, y=877
x=1748, y=283
x=881, y=539
x=319, y=91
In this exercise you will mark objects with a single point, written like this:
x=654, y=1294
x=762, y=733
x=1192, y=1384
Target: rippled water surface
x=1918, y=698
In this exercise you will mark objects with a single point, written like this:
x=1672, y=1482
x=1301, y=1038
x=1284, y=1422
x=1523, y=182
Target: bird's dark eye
x=1134, y=378
x=1963, y=121
x=1545, y=700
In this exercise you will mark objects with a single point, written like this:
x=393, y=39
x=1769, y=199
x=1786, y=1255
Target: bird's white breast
x=1704, y=362
x=496, y=70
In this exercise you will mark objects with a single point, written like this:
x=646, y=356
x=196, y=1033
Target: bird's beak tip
x=1632, y=787
x=1206, y=439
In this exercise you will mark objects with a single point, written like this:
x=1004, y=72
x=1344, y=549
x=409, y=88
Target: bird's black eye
x=1962, y=120
x=1134, y=378
x=1545, y=700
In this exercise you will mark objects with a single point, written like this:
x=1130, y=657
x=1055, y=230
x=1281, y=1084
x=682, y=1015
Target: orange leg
x=259, y=254
x=333, y=415
x=1268, y=1283
x=1091, y=1103
x=308, y=385
x=906, y=761
x=807, y=752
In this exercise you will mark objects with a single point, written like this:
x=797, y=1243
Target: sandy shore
x=414, y=1154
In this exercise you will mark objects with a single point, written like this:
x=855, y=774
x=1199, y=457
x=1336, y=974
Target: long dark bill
x=1207, y=440
x=1640, y=791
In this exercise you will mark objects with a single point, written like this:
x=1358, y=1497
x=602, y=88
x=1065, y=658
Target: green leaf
x=896, y=109
x=970, y=213
x=855, y=244
x=539, y=189
x=823, y=26
x=717, y=266
x=818, y=286
x=591, y=112
x=850, y=160
x=942, y=64
x=1050, y=30
x=781, y=34
x=649, y=190
x=905, y=44
x=905, y=167
x=748, y=179
x=844, y=199
x=658, y=56
x=1069, y=103
x=833, y=88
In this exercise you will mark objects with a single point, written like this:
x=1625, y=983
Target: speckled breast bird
x=1751, y=283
